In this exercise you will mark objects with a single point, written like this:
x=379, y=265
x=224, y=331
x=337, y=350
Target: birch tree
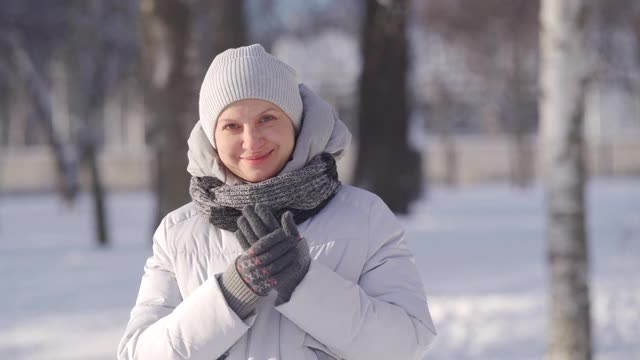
x=563, y=78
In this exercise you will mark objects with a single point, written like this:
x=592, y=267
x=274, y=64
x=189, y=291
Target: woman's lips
x=257, y=159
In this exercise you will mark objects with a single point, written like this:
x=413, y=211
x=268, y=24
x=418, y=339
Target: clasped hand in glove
x=275, y=257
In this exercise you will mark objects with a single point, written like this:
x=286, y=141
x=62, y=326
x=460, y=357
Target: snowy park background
x=97, y=98
x=480, y=250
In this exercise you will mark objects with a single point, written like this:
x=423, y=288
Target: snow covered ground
x=480, y=250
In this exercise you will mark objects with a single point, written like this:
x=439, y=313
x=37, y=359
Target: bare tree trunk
x=97, y=51
x=6, y=80
x=519, y=115
x=90, y=161
x=386, y=164
x=224, y=28
x=563, y=78
x=605, y=158
x=67, y=168
x=450, y=156
x=443, y=119
x=267, y=36
x=172, y=65
x=171, y=97
x=522, y=153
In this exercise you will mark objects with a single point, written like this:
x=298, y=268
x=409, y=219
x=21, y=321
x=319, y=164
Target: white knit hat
x=248, y=72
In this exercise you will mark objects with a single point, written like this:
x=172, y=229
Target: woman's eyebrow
x=267, y=110
x=227, y=119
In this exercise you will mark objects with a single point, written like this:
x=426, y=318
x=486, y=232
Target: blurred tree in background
x=180, y=40
x=30, y=38
x=96, y=53
x=87, y=42
x=499, y=39
x=110, y=88
x=170, y=92
x=565, y=73
x=386, y=165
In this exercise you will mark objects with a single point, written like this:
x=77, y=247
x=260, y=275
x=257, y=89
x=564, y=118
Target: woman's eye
x=230, y=127
x=267, y=118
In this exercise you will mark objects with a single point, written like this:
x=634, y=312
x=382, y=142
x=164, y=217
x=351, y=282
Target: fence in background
x=478, y=159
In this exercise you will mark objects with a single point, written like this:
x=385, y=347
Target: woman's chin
x=257, y=175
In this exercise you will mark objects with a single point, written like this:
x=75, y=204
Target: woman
x=274, y=258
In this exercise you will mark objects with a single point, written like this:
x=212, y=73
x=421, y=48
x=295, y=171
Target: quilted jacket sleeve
x=383, y=316
x=163, y=325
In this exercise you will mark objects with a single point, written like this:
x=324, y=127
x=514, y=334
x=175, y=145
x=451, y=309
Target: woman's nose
x=252, y=138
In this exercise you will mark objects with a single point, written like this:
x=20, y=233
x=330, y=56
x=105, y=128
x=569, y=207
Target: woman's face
x=254, y=139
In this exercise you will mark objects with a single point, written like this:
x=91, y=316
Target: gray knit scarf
x=303, y=192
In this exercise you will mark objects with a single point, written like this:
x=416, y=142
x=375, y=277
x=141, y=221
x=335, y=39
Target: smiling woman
x=274, y=258
x=254, y=138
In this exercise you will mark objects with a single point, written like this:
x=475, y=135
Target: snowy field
x=480, y=251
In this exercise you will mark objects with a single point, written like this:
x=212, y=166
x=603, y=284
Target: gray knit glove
x=297, y=270
x=261, y=221
x=260, y=267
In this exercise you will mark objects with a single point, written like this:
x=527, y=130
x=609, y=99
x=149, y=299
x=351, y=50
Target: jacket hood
x=321, y=131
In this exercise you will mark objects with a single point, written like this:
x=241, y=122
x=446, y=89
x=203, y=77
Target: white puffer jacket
x=361, y=299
